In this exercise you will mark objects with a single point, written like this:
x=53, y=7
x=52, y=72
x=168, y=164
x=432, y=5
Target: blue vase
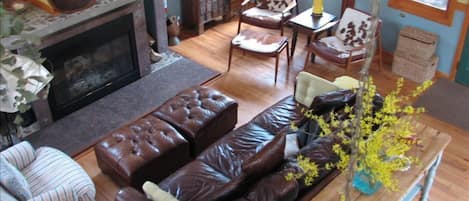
x=362, y=182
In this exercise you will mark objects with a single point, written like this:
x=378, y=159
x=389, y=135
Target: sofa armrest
x=309, y=86
x=130, y=194
x=20, y=155
x=62, y=193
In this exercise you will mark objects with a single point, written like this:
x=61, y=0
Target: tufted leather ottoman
x=147, y=149
x=201, y=114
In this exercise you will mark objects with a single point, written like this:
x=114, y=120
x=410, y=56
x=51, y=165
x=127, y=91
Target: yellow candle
x=318, y=7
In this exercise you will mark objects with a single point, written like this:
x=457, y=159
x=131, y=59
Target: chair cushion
x=14, y=182
x=333, y=49
x=353, y=27
x=53, y=169
x=259, y=41
x=264, y=17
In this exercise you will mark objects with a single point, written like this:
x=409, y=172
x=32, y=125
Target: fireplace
x=91, y=65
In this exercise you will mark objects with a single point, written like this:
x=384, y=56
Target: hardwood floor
x=251, y=83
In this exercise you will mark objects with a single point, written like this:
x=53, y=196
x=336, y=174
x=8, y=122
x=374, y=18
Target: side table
x=310, y=25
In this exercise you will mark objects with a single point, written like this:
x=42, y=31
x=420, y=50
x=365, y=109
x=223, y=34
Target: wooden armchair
x=268, y=14
x=347, y=46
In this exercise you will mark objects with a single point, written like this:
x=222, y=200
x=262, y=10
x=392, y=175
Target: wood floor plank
x=251, y=83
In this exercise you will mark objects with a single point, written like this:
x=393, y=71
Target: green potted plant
x=22, y=77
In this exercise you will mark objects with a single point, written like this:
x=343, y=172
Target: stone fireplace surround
x=55, y=29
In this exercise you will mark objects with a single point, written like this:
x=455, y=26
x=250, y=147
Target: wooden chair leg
x=239, y=25
x=281, y=30
x=276, y=67
x=229, y=59
x=307, y=59
x=288, y=55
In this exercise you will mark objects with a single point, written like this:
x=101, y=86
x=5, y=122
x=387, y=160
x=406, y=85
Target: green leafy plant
x=22, y=76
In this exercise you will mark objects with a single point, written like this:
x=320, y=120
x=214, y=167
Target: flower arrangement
x=385, y=135
x=374, y=140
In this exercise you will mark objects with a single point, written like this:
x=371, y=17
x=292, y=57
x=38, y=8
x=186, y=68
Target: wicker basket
x=413, y=68
x=417, y=43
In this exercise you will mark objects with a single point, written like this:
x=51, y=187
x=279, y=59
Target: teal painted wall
x=174, y=7
x=394, y=20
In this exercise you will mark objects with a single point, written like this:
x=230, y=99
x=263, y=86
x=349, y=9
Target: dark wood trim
x=461, y=7
x=428, y=12
x=459, y=49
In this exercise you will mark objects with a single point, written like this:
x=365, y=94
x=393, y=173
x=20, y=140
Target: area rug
x=448, y=102
x=168, y=58
x=83, y=128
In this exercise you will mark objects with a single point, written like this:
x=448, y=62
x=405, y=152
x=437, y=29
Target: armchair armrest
x=20, y=155
x=62, y=193
x=243, y=5
x=245, y=2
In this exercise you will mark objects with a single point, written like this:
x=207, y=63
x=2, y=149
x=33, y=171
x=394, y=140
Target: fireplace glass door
x=91, y=65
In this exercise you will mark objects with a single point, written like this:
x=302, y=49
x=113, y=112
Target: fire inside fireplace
x=91, y=65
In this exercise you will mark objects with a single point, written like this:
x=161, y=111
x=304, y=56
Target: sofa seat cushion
x=198, y=181
x=132, y=154
x=52, y=169
x=268, y=158
x=273, y=187
x=228, y=154
x=260, y=42
x=280, y=115
x=332, y=49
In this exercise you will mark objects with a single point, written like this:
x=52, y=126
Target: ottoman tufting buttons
x=208, y=115
x=143, y=150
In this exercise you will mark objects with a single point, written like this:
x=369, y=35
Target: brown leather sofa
x=240, y=166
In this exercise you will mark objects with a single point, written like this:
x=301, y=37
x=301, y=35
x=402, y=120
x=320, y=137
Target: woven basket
x=417, y=43
x=413, y=68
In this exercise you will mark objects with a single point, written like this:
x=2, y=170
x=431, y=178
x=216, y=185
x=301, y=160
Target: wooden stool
x=260, y=43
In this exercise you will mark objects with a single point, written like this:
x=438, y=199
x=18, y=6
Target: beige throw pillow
x=153, y=192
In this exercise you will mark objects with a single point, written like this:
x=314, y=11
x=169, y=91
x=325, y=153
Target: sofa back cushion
x=269, y=157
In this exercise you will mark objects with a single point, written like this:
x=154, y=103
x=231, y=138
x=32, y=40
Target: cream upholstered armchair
x=270, y=14
x=50, y=174
x=348, y=44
